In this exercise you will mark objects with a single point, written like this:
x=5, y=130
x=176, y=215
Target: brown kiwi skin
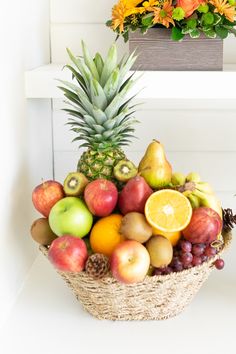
x=122, y=177
x=135, y=227
x=41, y=232
x=160, y=251
x=83, y=181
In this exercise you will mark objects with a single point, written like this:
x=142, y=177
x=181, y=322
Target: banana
x=193, y=177
x=204, y=187
x=194, y=201
x=208, y=200
x=178, y=179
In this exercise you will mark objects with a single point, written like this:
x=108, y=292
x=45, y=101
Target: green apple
x=70, y=216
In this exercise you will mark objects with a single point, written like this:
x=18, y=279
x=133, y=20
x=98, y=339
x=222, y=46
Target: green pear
x=154, y=167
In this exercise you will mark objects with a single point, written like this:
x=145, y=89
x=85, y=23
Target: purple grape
x=176, y=252
x=185, y=246
x=186, y=259
x=196, y=261
x=203, y=258
x=210, y=251
x=219, y=264
x=188, y=266
x=198, y=249
x=157, y=271
x=178, y=266
x=167, y=270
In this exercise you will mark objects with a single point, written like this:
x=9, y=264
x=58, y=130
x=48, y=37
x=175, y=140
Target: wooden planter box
x=157, y=51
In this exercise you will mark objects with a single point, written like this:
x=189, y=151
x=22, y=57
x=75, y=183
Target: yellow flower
x=224, y=8
x=123, y=9
x=163, y=15
x=149, y=5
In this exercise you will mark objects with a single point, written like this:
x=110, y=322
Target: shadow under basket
x=157, y=51
x=156, y=298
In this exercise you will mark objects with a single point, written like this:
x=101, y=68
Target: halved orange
x=168, y=210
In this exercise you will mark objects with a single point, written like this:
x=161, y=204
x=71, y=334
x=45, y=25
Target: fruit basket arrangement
x=132, y=242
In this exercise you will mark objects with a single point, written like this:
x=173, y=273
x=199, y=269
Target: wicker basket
x=156, y=298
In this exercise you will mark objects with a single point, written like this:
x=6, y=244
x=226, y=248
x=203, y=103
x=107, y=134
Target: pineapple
x=102, y=116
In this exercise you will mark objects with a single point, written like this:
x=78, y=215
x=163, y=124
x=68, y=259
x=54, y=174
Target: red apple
x=101, y=197
x=134, y=195
x=46, y=195
x=204, y=227
x=130, y=262
x=68, y=254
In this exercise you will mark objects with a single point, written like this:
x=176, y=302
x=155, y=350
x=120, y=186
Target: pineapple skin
x=99, y=164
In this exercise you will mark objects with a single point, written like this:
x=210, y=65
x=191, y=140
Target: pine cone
x=229, y=219
x=97, y=265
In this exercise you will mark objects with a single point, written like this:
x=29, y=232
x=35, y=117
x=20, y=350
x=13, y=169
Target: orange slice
x=168, y=210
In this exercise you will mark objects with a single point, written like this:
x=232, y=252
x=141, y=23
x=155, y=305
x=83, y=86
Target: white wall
x=24, y=29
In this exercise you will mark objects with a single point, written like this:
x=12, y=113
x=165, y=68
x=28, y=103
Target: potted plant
x=175, y=35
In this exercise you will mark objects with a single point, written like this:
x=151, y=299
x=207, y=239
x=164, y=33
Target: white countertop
x=47, y=319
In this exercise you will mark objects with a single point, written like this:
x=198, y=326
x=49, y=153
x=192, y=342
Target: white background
x=201, y=137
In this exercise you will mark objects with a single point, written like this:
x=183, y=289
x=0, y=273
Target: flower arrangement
x=214, y=18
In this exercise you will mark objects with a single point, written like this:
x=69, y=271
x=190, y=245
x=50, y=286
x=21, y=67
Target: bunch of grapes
x=188, y=255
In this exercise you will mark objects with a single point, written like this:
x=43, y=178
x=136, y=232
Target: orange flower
x=123, y=9
x=189, y=6
x=224, y=8
x=164, y=15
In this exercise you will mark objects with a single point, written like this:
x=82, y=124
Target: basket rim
x=108, y=279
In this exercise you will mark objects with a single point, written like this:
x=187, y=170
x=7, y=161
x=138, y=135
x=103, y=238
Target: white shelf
x=41, y=83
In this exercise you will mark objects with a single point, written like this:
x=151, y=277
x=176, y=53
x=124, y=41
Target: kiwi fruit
x=160, y=250
x=135, y=227
x=41, y=232
x=125, y=170
x=75, y=184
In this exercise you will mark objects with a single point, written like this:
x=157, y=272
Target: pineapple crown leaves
x=99, y=98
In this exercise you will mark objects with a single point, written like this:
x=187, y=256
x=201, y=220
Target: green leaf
x=120, y=99
x=109, y=65
x=99, y=115
x=112, y=85
x=186, y=30
x=210, y=33
x=89, y=120
x=217, y=19
x=97, y=94
x=70, y=85
x=81, y=66
x=109, y=23
x=99, y=63
x=78, y=77
x=147, y=20
x=195, y=33
x=228, y=23
x=89, y=61
x=176, y=34
x=144, y=29
x=221, y=32
x=126, y=36
x=73, y=113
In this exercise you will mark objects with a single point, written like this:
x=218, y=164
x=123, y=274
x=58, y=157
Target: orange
x=168, y=210
x=105, y=235
x=173, y=237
